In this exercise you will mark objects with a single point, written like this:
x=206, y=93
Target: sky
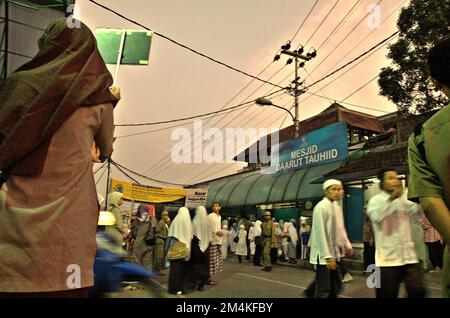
x=245, y=34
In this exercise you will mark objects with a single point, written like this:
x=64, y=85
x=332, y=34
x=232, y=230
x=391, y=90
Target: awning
x=255, y=188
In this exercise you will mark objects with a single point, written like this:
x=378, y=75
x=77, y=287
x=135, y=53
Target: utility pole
x=296, y=55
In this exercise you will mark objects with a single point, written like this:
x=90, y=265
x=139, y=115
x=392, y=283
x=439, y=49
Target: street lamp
x=267, y=102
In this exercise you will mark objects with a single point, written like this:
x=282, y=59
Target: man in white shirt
x=324, y=244
x=395, y=255
x=215, y=254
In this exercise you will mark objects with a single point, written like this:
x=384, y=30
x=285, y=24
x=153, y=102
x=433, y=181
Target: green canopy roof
x=254, y=188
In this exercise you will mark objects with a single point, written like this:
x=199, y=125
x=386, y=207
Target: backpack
x=150, y=237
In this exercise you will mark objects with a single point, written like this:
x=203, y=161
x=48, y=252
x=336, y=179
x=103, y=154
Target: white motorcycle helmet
x=106, y=218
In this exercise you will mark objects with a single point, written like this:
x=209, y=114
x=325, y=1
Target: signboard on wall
x=322, y=146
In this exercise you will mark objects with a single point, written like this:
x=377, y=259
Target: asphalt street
x=248, y=281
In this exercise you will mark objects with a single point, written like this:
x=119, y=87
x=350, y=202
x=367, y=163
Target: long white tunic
x=323, y=233
x=224, y=247
x=393, y=230
x=241, y=248
x=215, y=223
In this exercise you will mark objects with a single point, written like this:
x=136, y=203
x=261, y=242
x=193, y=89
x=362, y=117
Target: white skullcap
x=330, y=183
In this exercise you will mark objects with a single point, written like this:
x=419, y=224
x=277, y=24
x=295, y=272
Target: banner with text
x=143, y=193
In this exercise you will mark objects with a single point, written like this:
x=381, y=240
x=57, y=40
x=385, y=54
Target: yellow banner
x=145, y=193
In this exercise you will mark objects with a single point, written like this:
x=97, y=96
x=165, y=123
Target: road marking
x=281, y=283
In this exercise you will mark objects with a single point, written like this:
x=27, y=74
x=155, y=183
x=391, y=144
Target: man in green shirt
x=161, y=237
x=267, y=239
x=429, y=158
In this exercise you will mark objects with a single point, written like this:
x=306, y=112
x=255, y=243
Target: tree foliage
x=407, y=82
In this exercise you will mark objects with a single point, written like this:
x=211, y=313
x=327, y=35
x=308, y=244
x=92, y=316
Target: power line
x=301, y=25
x=355, y=105
x=198, y=176
x=151, y=131
x=182, y=45
x=366, y=37
x=242, y=89
x=145, y=177
x=320, y=88
x=354, y=60
x=319, y=96
x=101, y=167
x=100, y=178
x=340, y=101
x=173, y=126
x=124, y=173
x=351, y=68
x=360, y=88
x=343, y=73
x=196, y=116
x=323, y=20
x=293, y=37
x=207, y=177
x=361, y=55
x=159, y=162
x=339, y=24
x=158, y=166
x=195, y=147
x=347, y=35
x=339, y=44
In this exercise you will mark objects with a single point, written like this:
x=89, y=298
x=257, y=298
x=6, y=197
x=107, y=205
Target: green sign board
x=136, y=45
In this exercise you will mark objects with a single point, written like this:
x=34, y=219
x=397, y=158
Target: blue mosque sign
x=322, y=146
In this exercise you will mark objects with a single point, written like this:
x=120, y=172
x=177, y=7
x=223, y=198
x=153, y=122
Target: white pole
x=119, y=58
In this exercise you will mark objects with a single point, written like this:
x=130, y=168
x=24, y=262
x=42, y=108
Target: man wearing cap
x=161, y=237
x=267, y=239
x=324, y=244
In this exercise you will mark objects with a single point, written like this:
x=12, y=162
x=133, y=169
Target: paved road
x=248, y=281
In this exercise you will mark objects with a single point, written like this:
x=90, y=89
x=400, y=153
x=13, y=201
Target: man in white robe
x=324, y=244
x=395, y=250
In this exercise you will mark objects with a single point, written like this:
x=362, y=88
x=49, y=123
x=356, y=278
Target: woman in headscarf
x=284, y=243
x=119, y=229
x=199, y=262
x=292, y=242
x=241, y=249
x=258, y=247
x=225, y=241
x=305, y=232
x=275, y=250
x=142, y=253
x=233, y=233
x=251, y=238
x=180, y=230
x=53, y=110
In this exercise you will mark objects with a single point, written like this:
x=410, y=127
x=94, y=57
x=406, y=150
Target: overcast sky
x=245, y=34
